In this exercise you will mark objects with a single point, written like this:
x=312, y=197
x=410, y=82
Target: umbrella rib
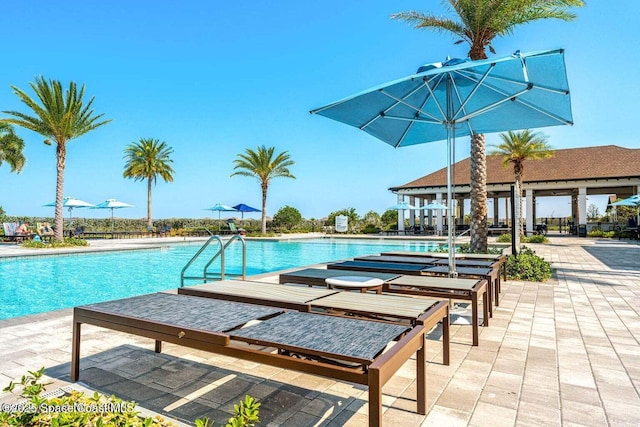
x=491, y=106
x=398, y=101
x=472, y=75
x=474, y=90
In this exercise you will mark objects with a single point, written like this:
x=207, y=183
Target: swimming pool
x=38, y=284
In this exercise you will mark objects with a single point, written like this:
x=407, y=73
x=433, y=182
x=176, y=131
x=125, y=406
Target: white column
x=412, y=214
x=439, y=216
x=582, y=205
x=420, y=212
x=400, y=214
x=529, y=225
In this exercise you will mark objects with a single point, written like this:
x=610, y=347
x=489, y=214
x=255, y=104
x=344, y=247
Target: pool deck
x=564, y=352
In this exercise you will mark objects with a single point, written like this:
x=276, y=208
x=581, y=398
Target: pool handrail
x=220, y=253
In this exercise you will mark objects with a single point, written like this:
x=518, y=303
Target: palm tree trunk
x=265, y=187
x=149, y=220
x=61, y=154
x=478, y=232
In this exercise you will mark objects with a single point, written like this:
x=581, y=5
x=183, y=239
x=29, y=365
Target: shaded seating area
x=332, y=346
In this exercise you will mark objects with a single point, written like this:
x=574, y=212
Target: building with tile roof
x=575, y=172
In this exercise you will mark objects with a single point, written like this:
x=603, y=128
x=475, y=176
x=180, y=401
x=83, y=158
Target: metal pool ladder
x=206, y=274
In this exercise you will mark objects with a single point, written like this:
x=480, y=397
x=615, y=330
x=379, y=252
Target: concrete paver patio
x=565, y=352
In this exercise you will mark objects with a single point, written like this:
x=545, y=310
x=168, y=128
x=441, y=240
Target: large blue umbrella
x=461, y=97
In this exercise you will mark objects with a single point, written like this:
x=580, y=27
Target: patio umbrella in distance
x=112, y=204
x=219, y=207
x=461, y=97
x=70, y=203
x=242, y=208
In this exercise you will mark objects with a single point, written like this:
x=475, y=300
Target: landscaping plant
x=77, y=409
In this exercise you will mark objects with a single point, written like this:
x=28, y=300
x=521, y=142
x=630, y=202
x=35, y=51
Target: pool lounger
x=430, y=286
x=492, y=275
x=500, y=259
x=392, y=308
x=313, y=344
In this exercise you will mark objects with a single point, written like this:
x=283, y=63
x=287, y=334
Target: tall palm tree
x=516, y=147
x=262, y=165
x=11, y=147
x=478, y=22
x=148, y=159
x=60, y=116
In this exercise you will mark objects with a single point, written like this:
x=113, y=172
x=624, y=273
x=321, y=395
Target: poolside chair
x=45, y=231
x=11, y=233
x=232, y=227
x=78, y=232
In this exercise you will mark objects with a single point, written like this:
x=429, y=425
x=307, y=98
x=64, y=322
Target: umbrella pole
x=450, y=147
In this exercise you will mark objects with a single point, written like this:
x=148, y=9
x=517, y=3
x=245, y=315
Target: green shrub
x=77, y=409
x=535, y=238
x=67, y=243
x=370, y=229
x=528, y=266
x=504, y=238
x=599, y=233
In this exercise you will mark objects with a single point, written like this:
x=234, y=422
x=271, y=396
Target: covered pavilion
x=574, y=172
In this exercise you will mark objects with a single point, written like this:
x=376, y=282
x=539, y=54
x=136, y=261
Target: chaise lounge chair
x=341, y=348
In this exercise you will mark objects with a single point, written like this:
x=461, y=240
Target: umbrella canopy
x=402, y=206
x=630, y=201
x=434, y=206
x=242, y=208
x=219, y=207
x=461, y=97
x=70, y=203
x=112, y=204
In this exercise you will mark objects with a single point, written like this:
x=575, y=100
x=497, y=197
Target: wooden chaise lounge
x=337, y=347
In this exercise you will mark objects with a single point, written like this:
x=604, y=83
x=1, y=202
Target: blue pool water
x=38, y=284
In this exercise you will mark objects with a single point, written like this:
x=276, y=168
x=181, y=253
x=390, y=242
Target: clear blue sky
x=213, y=78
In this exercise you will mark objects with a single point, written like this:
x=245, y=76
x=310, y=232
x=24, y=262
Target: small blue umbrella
x=630, y=201
x=112, y=204
x=70, y=203
x=402, y=206
x=434, y=206
x=219, y=207
x=461, y=97
x=242, y=208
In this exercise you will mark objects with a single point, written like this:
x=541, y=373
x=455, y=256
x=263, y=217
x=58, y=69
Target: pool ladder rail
x=206, y=274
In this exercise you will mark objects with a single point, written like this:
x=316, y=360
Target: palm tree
x=60, y=116
x=148, y=159
x=516, y=147
x=11, y=147
x=262, y=165
x=477, y=23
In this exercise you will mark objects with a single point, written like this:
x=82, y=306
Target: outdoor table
x=318, y=276
x=361, y=283
x=341, y=348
